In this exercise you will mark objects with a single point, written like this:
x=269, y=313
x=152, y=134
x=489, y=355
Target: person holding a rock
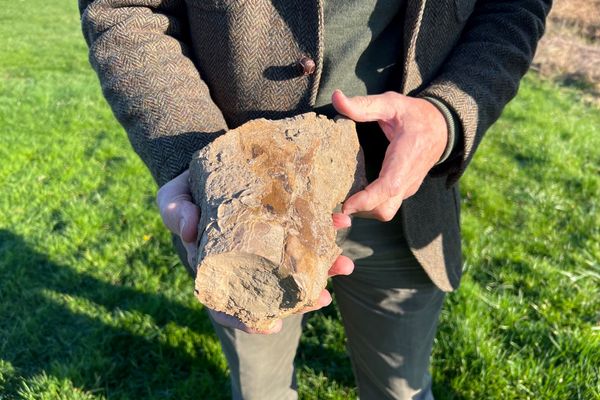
x=424, y=79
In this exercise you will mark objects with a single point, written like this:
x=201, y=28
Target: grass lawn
x=93, y=303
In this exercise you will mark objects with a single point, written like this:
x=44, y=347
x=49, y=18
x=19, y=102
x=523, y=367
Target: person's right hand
x=181, y=216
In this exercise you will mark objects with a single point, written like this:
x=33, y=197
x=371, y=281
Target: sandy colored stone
x=266, y=192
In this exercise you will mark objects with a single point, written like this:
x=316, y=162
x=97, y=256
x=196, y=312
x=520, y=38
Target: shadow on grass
x=122, y=355
x=118, y=341
x=115, y=353
x=445, y=392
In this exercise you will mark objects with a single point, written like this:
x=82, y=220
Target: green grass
x=93, y=303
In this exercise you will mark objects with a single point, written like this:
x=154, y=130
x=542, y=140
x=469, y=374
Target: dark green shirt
x=362, y=47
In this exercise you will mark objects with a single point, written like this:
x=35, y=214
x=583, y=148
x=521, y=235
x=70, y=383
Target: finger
x=387, y=210
x=364, y=214
x=181, y=216
x=191, y=253
x=363, y=108
x=376, y=193
x=275, y=327
x=174, y=188
x=189, y=218
x=375, y=201
x=388, y=185
x=323, y=301
x=176, y=208
x=233, y=322
x=341, y=266
x=341, y=220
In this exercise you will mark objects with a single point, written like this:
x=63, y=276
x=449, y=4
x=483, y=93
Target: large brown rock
x=266, y=192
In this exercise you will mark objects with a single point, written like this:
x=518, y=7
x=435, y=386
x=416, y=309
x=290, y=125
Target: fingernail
x=348, y=220
x=338, y=91
x=181, y=226
x=274, y=327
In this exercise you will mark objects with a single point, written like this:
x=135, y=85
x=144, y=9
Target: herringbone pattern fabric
x=482, y=70
x=178, y=72
x=140, y=53
x=251, y=49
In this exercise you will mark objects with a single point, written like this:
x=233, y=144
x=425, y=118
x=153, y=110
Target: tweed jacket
x=177, y=73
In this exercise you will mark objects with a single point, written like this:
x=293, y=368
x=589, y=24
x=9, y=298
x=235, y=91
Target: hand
x=418, y=134
x=179, y=213
x=181, y=216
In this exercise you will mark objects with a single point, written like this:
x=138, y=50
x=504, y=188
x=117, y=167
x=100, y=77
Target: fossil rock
x=266, y=192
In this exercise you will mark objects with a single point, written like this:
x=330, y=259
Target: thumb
x=363, y=108
x=181, y=216
x=189, y=215
x=176, y=208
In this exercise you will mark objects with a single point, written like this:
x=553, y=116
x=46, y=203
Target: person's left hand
x=417, y=132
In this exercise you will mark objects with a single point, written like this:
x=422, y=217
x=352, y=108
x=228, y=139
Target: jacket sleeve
x=482, y=73
x=139, y=49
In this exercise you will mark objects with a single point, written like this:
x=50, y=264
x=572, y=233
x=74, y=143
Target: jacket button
x=306, y=65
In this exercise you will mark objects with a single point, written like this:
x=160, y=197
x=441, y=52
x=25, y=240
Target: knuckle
x=167, y=209
x=389, y=94
x=385, y=215
x=392, y=95
x=395, y=187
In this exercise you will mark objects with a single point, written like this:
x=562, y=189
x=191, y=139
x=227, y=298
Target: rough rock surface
x=266, y=192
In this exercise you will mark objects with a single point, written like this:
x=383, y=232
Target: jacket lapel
x=411, y=76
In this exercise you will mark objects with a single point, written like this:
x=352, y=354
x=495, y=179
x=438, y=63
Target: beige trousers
x=389, y=309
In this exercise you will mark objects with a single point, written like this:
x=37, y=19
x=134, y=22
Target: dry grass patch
x=582, y=17
x=570, y=50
